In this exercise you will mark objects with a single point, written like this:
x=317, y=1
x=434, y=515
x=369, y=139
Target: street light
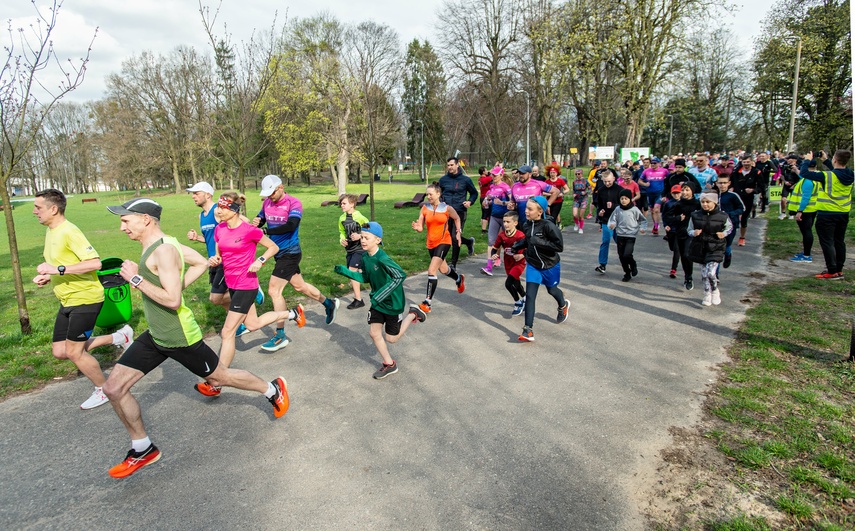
x=422, y=160
x=527, y=125
x=671, y=135
x=795, y=96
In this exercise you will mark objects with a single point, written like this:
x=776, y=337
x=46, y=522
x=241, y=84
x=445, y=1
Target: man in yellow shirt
x=70, y=265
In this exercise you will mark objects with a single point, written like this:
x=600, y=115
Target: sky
x=127, y=28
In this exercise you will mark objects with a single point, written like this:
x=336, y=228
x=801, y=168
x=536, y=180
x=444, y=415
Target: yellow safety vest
x=834, y=195
x=795, y=197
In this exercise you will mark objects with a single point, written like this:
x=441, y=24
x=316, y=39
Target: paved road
x=475, y=431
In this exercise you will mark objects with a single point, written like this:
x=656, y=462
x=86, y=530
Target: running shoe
x=782, y=217
x=470, y=246
x=716, y=297
x=589, y=216
x=259, y=297
x=280, y=400
x=563, y=312
x=98, y=398
x=575, y=228
x=802, y=258
x=689, y=284
x=829, y=276
x=332, y=309
x=300, y=316
x=655, y=232
x=135, y=461
x=420, y=314
x=461, y=287
x=673, y=273
x=707, y=299
x=488, y=272
x=726, y=263
x=123, y=337
x=278, y=341
x=357, y=303
x=386, y=370
x=741, y=242
x=626, y=277
x=241, y=330
x=527, y=335
x=634, y=270
x=207, y=389
x=425, y=306
x=519, y=307
x=581, y=231
x=601, y=269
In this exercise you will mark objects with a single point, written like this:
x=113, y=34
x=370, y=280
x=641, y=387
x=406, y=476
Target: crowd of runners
x=697, y=205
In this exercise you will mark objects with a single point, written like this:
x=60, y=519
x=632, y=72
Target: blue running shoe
x=332, y=309
x=259, y=297
x=275, y=343
x=519, y=306
x=242, y=329
x=802, y=258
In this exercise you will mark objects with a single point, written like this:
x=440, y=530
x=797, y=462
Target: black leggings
x=678, y=246
x=531, y=296
x=806, y=227
x=452, y=229
x=625, y=248
x=515, y=287
x=555, y=210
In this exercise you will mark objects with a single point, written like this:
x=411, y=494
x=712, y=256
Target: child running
x=386, y=279
x=542, y=244
x=236, y=244
x=675, y=218
x=626, y=221
x=581, y=192
x=348, y=230
x=496, y=199
x=436, y=216
x=709, y=226
x=514, y=259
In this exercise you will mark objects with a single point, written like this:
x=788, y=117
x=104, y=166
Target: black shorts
x=75, y=323
x=354, y=260
x=392, y=322
x=242, y=300
x=485, y=212
x=785, y=191
x=440, y=250
x=145, y=355
x=287, y=266
x=643, y=203
x=217, y=278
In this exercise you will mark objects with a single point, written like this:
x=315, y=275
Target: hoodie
x=542, y=243
x=455, y=188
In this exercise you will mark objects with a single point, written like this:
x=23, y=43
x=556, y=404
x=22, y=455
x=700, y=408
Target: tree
x=25, y=101
x=423, y=100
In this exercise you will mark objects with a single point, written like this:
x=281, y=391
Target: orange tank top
x=436, y=221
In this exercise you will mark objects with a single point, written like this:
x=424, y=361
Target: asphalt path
x=475, y=431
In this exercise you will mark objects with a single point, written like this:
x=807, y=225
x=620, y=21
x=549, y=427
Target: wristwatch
x=261, y=259
x=136, y=280
x=61, y=270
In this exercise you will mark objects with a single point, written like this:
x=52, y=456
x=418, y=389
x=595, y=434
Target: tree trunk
x=176, y=178
x=341, y=168
x=371, y=190
x=23, y=313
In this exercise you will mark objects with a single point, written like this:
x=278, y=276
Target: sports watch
x=261, y=259
x=61, y=270
x=136, y=280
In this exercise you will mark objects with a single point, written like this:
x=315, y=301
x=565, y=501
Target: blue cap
x=374, y=228
x=540, y=200
x=525, y=168
x=654, y=159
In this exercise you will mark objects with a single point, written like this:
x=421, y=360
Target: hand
x=511, y=205
x=129, y=270
x=41, y=280
x=191, y=235
x=417, y=226
x=682, y=217
x=459, y=241
x=46, y=269
x=643, y=231
x=356, y=236
x=601, y=212
x=720, y=235
x=612, y=226
x=255, y=267
x=697, y=232
x=255, y=221
x=343, y=243
x=798, y=216
x=519, y=257
x=749, y=190
x=467, y=204
x=667, y=229
x=215, y=260
x=808, y=155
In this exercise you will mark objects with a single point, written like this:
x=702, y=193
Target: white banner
x=633, y=154
x=601, y=152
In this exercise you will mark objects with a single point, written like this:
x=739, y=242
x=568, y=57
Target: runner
x=680, y=176
x=653, y=183
x=485, y=179
x=526, y=188
x=173, y=331
x=626, y=222
x=730, y=203
x=283, y=214
x=514, y=259
x=745, y=181
x=459, y=193
x=436, y=217
x=608, y=199
x=553, y=178
x=349, y=236
x=581, y=193
x=705, y=175
x=496, y=199
x=709, y=228
x=70, y=265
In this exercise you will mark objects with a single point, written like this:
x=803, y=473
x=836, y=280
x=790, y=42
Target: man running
x=459, y=193
x=653, y=181
x=705, y=175
x=283, y=213
x=173, y=331
x=70, y=265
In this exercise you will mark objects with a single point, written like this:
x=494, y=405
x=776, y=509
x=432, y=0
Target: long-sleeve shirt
x=627, y=223
x=386, y=279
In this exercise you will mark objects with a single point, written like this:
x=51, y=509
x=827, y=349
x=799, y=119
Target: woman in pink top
x=236, y=246
x=496, y=198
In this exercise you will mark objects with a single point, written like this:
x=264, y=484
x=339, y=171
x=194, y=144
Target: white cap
x=202, y=187
x=269, y=184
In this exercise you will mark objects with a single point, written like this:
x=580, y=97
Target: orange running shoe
x=527, y=335
x=207, y=389
x=425, y=306
x=280, y=399
x=301, y=316
x=460, y=285
x=135, y=461
x=741, y=242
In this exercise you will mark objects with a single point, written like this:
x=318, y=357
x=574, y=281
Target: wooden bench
x=89, y=200
x=361, y=200
x=417, y=200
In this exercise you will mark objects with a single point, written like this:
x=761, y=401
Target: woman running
x=553, y=178
x=496, y=199
x=436, y=216
x=581, y=194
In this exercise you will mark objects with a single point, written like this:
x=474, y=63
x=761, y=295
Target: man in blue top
x=455, y=186
x=702, y=171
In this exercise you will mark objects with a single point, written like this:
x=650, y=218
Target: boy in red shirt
x=514, y=261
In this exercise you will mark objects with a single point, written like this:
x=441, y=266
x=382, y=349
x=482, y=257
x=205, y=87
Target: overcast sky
x=126, y=28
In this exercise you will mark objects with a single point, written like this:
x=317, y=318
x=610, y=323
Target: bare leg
x=357, y=288
x=408, y=320
x=306, y=289
x=274, y=290
x=376, y=333
x=223, y=376
x=76, y=352
x=118, y=390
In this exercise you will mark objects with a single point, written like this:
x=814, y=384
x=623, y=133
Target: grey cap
x=142, y=205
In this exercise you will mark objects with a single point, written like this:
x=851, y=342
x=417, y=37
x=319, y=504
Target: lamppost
x=422, y=159
x=527, y=125
x=795, y=96
x=671, y=135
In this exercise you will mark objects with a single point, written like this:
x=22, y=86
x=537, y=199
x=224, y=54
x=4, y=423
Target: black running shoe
x=357, y=303
x=385, y=370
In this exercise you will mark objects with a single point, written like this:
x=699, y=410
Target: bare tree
x=25, y=102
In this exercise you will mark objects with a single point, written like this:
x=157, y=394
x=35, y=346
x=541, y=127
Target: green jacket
x=386, y=279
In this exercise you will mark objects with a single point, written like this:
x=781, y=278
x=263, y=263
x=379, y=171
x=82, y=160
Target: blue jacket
x=731, y=204
x=454, y=189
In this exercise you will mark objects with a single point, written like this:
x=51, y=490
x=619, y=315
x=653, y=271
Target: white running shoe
x=581, y=231
x=716, y=297
x=575, y=228
x=98, y=398
x=707, y=299
x=124, y=337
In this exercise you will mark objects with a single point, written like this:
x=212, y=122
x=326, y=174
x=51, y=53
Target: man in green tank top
x=173, y=331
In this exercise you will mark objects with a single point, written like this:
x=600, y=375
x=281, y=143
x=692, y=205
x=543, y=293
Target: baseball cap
x=269, y=184
x=677, y=188
x=374, y=228
x=540, y=200
x=654, y=160
x=202, y=187
x=525, y=168
x=792, y=156
x=138, y=206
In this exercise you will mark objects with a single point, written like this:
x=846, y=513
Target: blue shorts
x=548, y=277
x=654, y=198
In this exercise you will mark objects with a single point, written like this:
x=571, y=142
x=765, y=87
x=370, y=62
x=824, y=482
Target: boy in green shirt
x=386, y=279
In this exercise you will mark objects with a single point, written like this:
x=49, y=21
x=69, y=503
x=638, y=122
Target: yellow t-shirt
x=66, y=245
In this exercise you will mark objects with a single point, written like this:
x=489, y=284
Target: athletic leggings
x=678, y=246
x=806, y=227
x=625, y=248
x=531, y=296
x=555, y=210
x=514, y=287
x=709, y=276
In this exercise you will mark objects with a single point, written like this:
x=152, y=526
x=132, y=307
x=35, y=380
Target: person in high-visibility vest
x=833, y=203
x=802, y=205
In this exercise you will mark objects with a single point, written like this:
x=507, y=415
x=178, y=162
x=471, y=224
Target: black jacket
x=680, y=178
x=742, y=181
x=606, y=195
x=708, y=247
x=454, y=189
x=542, y=242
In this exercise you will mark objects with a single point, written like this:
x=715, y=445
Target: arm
x=807, y=192
x=806, y=172
x=612, y=223
x=342, y=235
x=271, y=251
x=453, y=215
x=353, y=275
x=418, y=225
x=728, y=228
x=196, y=262
x=167, y=262
x=473, y=193
x=642, y=220
x=289, y=226
x=194, y=236
x=86, y=266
